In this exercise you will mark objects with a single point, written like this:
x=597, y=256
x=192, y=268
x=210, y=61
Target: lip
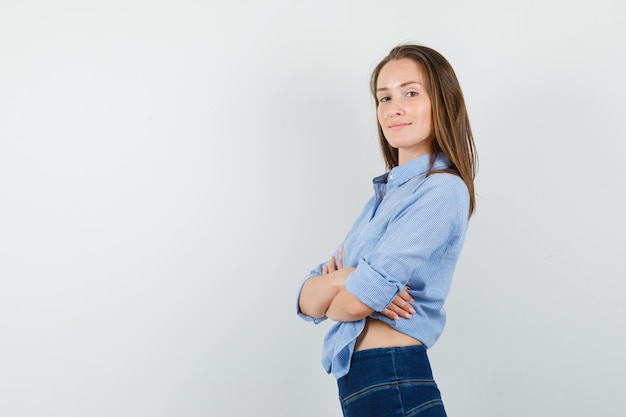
x=396, y=126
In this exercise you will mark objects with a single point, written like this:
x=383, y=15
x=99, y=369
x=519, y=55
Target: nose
x=395, y=111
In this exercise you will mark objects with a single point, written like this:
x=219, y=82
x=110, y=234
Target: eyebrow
x=401, y=85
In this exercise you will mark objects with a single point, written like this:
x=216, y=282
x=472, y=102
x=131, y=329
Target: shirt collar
x=418, y=166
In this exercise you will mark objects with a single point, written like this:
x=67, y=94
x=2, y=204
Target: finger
x=340, y=258
x=387, y=312
x=332, y=267
x=400, y=311
x=324, y=270
x=404, y=305
x=404, y=294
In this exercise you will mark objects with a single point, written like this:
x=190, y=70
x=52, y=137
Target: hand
x=400, y=306
x=332, y=264
x=336, y=270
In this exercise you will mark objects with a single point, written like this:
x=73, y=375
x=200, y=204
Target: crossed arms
x=326, y=295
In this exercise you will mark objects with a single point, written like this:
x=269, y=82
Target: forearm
x=346, y=307
x=318, y=292
x=325, y=294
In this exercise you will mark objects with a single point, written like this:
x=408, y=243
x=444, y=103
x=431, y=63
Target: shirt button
x=391, y=177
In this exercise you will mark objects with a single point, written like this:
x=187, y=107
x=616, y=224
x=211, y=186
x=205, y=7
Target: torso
x=377, y=334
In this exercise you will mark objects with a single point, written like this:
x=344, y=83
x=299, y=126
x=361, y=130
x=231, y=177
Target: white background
x=170, y=171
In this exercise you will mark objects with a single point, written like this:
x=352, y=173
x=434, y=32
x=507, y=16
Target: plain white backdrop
x=170, y=171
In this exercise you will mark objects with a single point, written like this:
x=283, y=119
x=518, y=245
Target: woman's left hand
x=400, y=306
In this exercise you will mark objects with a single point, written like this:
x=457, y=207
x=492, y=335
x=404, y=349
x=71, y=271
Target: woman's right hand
x=333, y=264
x=336, y=268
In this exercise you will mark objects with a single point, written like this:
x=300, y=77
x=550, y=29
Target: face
x=404, y=110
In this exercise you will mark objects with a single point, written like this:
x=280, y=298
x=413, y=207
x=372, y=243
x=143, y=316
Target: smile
x=397, y=126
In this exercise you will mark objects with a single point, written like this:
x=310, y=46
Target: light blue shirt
x=410, y=233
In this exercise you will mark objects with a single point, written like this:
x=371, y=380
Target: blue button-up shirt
x=410, y=233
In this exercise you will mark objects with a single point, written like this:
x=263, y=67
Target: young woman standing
x=386, y=284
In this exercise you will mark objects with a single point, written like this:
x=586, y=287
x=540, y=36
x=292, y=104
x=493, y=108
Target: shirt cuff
x=300, y=314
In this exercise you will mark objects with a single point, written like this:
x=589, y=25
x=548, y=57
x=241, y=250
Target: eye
x=383, y=99
x=411, y=93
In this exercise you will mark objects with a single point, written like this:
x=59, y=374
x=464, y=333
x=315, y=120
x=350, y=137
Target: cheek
x=427, y=115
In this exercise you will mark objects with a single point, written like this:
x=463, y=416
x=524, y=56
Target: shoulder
x=441, y=195
x=444, y=184
x=445, y=178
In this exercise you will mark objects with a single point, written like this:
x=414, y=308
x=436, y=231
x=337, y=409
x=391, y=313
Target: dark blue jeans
x=390, y=382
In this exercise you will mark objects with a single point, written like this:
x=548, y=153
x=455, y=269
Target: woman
x=386, y=284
